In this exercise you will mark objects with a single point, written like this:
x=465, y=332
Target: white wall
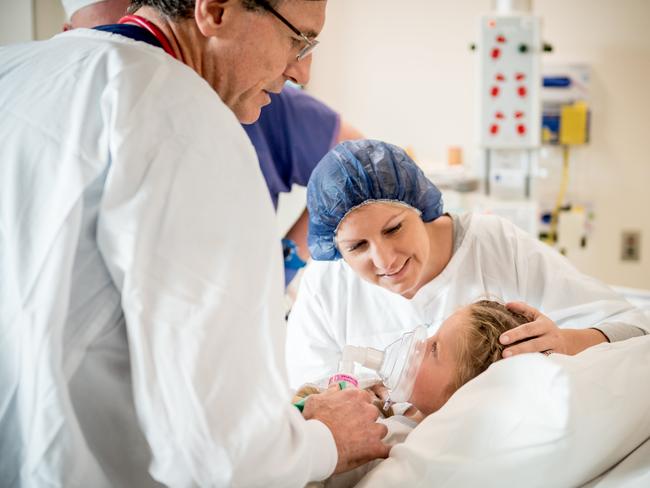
x=402, y=71
x=16, y=21
x=27, y=20
x=49, y=18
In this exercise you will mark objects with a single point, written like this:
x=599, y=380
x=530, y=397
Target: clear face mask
x=397, y=365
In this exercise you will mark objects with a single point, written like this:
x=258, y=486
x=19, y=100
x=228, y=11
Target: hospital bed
x=557, y=421
x=637, y=297
x=634, y=469
x=631, y=472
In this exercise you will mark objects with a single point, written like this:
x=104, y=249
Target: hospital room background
x=406, y=73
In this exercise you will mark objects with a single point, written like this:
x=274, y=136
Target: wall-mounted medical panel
x=509, y=52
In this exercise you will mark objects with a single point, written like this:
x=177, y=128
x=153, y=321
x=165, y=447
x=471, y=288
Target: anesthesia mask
x=397, y=365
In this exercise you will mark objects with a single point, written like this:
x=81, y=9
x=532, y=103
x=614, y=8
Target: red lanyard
x=152, y=28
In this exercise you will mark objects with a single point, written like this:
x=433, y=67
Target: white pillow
x=531, y=420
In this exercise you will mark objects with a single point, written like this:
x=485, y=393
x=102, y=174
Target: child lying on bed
x=464, y=346
x=527, y=418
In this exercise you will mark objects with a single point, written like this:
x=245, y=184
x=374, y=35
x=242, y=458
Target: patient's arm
x=542, y=334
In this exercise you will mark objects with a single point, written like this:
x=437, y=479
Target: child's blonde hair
x=480, y=346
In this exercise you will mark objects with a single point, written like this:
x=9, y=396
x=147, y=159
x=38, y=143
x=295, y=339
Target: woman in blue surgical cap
x=387, y=258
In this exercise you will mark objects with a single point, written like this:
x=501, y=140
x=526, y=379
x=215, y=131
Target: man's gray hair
x=184, y=9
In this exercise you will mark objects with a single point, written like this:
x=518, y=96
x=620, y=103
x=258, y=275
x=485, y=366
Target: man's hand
x=541, y=334
x=351, y=418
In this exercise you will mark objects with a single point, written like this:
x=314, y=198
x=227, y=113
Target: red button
x=520, y=76
x=522, y=91
x=519, y=114
x=500, y=77
x=496, y=52
x=499, y=115
x=494, y=129
x=494, y=91
x=521, y=129
x=501, y=39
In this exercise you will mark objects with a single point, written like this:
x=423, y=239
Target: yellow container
x=573, y=124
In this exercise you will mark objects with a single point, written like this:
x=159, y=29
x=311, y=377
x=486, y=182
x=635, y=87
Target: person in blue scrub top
x=291, y=136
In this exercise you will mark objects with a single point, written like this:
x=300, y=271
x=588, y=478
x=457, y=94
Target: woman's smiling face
x=386, y=244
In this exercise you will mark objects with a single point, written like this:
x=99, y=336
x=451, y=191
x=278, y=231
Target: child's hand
x=380, y=395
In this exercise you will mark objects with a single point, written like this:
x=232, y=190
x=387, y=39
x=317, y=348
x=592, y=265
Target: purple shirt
x=291, y=136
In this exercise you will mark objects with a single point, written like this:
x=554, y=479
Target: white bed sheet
x=634, y=470
x=533, y=422
x=637, y=297
x=631, y=472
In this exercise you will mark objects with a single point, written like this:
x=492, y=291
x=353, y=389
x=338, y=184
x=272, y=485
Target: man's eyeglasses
x=310, y=44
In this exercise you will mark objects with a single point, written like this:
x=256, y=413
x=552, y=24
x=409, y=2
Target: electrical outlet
x=631, y=245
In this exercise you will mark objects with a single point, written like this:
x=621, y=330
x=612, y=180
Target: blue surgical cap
x=356, y=172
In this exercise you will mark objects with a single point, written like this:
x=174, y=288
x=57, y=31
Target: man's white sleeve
x=312, y=352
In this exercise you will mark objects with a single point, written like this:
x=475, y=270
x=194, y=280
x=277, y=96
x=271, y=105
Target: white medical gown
x=141, y=326
x=335, y=307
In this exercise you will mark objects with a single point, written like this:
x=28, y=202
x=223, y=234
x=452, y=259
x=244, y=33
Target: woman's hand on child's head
x=540, y=334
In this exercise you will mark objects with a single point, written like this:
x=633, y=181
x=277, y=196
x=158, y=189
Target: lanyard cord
x=152, y=28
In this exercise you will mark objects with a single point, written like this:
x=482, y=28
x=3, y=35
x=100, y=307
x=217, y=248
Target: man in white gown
x=141, y=320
